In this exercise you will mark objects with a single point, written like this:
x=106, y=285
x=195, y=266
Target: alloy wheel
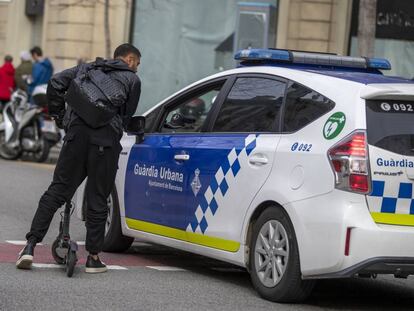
x=271, y=253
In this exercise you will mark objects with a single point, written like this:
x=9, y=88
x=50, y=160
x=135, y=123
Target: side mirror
x=136, y=126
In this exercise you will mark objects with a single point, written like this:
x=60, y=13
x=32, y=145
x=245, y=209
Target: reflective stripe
x=195, y=238
x=393, y=219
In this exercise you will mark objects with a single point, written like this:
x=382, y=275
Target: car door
x=157, y=175
x=234, y=158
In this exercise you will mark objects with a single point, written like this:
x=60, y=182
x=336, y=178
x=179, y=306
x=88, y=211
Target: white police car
x=297, y=166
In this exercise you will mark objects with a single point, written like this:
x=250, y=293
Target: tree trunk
x=107, y=31
x=366, y=27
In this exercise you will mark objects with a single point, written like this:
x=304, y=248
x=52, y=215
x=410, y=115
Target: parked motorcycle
x=27, y=128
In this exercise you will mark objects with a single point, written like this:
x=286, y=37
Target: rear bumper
x=321, y=226
x=398, y=266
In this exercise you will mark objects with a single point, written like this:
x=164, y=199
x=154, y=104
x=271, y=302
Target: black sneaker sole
x=96, y=270
x=25, y=262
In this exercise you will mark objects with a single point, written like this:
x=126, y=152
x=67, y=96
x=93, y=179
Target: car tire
x=280, y=255
x=114, y=241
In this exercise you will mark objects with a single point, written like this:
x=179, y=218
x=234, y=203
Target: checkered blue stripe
x=399, y=201
x=219, y=186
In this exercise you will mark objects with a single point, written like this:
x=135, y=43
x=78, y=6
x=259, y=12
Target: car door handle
x=182, y=157
x=258, y=160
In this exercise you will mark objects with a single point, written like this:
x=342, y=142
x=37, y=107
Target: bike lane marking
x=42, y=255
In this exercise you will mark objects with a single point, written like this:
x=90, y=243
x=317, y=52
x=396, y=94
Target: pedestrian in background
x=87, y=152
x=23, y=72
x=42, y=69
x=6, y=80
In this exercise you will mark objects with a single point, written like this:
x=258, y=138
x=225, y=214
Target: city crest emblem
x=196, y=184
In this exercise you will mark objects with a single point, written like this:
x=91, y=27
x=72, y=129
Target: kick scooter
x=63, y=248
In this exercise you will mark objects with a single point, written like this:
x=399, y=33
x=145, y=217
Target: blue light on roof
x=379, y=63
x=262, y=54
x=274, y=56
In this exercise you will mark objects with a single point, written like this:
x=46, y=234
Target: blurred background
x=184, y=40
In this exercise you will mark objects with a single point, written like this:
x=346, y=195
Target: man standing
x=23, y=71
x=6, y=80
x=42, y=69
x=86, y=152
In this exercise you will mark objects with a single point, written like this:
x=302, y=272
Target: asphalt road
x=148, y=277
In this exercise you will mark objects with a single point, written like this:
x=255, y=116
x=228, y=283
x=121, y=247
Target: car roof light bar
x=309, y=58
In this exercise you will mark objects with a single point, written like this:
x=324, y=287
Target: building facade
x=185, y=40
x=67, y=30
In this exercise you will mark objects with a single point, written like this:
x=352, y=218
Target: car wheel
x=274, y=259
x=114, y=241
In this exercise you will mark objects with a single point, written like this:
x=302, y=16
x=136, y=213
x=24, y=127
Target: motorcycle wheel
x=7, y=153
x=43, y=153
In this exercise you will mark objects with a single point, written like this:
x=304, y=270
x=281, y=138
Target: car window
x=150, y=119
x=390, y=125
x=253, y=105
x=303, y=106
x=191, y=114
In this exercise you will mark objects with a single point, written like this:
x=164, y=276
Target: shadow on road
x=384, y=293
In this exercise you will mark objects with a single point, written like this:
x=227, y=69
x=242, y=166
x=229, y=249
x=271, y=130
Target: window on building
x=303, y=106
x=394, y=35
x=253, y=105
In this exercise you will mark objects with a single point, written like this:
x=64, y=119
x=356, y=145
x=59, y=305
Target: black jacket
x=60, y=82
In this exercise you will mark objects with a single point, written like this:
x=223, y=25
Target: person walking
x=6, y=80
x=86, y=152
x=23, y=71
x=42, y=69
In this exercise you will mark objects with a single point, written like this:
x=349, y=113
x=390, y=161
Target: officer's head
x=129, y=54
x=193, y=109
x=37, y=53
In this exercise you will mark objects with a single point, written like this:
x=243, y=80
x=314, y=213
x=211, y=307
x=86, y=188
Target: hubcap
x=110, y=205
x=271, y=253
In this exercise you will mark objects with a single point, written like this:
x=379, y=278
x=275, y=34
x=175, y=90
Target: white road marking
x=52, y=265
x=80, y=242
x=166, y=268
x=15, y=242
x=221, y=269
x=46, y=265
x=116, y=268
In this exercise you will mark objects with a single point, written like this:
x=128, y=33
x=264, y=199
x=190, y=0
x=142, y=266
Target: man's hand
x=59, y=123
x=59, y=119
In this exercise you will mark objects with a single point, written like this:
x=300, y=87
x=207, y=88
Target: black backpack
x=95, y=96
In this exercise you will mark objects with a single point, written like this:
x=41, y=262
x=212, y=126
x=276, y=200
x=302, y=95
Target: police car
x=297, y=166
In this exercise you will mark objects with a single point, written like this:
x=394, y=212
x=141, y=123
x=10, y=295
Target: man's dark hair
x=125, y=49
x=36, y=50
x=8, y=59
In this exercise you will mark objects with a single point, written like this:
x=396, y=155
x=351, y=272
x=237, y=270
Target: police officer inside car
x=91, y=146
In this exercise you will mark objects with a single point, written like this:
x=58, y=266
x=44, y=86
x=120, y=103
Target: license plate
x=49, y=126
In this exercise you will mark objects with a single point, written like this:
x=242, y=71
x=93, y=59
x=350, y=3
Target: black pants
x=86, y=152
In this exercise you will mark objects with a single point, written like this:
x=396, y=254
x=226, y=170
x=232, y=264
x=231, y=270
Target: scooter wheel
x=59, y=259
x=71, y=260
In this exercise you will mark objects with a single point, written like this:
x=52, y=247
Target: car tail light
x=349, y=160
